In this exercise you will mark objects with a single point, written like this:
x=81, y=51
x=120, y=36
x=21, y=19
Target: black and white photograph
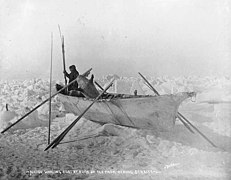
x=115, y=89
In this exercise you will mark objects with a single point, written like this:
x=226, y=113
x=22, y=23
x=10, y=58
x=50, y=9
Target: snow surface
x=114, y=152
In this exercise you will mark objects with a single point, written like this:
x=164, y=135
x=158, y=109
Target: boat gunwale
x=111, y=99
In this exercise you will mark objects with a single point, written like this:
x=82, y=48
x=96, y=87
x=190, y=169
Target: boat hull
x=148, y=112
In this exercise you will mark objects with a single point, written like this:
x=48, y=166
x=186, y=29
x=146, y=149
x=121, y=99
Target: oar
x=63, y=134
x=39, y=106
x=49, y=125
x=180, y=116
x=156, y=92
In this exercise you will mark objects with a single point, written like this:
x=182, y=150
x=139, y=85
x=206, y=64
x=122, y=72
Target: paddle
x=40, y=104
x=179, y=115
x=64, y=133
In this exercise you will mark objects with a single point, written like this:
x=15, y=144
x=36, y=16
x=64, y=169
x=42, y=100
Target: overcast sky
x=156, y=37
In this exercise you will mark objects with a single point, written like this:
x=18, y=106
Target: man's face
x=72, y=69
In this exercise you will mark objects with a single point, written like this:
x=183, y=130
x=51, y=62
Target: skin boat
x=142, y=112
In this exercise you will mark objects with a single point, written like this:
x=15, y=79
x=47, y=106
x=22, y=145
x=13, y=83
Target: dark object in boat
x=58, y=87
x=76, y=93
x=80, y=93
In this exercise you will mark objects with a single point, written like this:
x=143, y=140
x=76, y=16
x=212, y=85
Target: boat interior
x=80, y=93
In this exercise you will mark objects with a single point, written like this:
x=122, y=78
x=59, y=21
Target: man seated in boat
x=72, y=76
x=81, y=84
x=73, y=89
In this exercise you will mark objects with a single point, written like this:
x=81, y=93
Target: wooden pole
x=39, y=106
x=64, y=63
x=49, y=125
x=99, y=85
x=180, y=116
x=63, y=53
x=82, y=138
x=64, y=133
x=60, y=34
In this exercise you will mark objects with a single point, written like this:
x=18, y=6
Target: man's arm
x=66, y=74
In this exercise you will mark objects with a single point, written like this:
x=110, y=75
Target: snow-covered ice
x=119, y=152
